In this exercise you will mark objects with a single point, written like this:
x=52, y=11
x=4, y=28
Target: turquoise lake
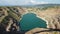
x=30, y=21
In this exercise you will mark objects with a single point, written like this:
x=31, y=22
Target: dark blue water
x=30, y=21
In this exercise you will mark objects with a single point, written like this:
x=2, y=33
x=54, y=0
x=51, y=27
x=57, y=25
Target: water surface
x=30, y=21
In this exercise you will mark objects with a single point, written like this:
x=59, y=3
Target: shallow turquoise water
x=30, y=21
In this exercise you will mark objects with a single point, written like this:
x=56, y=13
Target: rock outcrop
x=10, y=17
x=42, y=31
x=50, y=15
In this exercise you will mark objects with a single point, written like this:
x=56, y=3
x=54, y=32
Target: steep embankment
x=10, y=16
x=51, y=15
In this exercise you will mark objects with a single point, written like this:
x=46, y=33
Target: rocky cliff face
x=51, y=15
x=42, y=31
x=9, y=16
